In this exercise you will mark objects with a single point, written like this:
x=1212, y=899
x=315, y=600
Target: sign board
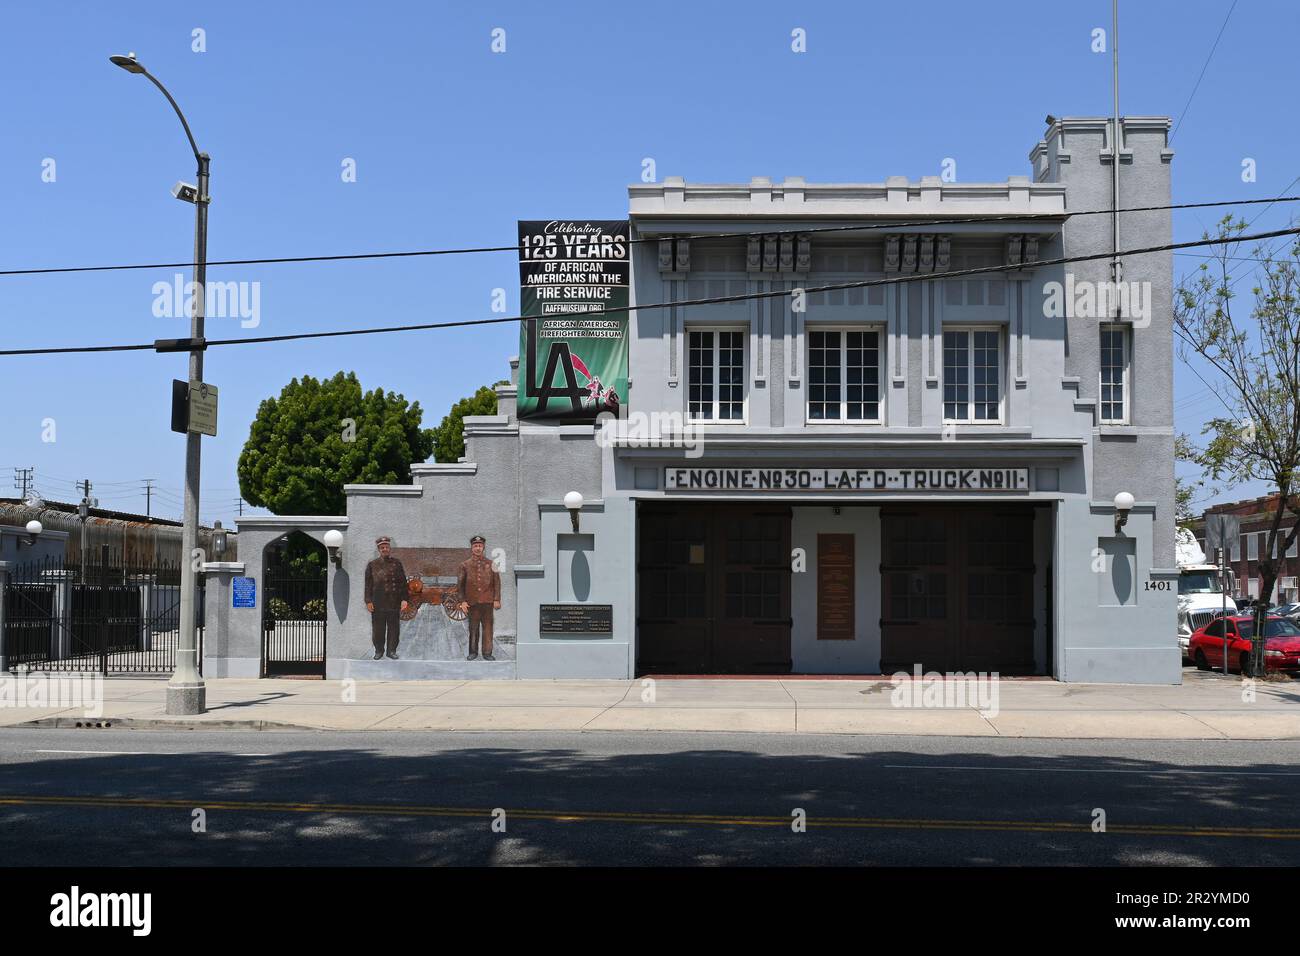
x=574, y=283
x=954, y=480
x=835, y=597
x=577, y=619
x=194, y=407
x=1221, y=531
x=203, y=408
x=243, y=592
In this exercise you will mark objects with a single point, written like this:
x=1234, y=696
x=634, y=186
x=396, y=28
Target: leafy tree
x=449, y=436
x=304, y=446
x=1258, y=359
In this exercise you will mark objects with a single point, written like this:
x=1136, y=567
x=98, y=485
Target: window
x=1252, y=547
x=1295, y=545
x=972, y=375
x=716, y=375
x=843, y=375
x=1252, y=587
x=1114, y=374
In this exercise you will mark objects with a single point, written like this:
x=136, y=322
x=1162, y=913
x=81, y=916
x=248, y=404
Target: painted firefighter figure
x=386, y=599
x=479, y=586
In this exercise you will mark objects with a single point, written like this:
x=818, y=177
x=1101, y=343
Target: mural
x=434, y=604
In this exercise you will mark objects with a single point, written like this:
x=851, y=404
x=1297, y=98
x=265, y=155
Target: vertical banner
x=574, y=278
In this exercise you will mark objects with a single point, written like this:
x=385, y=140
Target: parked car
x=1287, y=610
x=1281, y=644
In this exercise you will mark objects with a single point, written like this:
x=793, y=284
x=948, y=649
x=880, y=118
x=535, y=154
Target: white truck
x=1201, y=595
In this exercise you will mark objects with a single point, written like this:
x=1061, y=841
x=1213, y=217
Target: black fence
x=101, y=614
x=293, y=625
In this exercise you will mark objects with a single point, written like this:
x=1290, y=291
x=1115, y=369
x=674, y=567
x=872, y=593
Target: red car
x=1281, y=644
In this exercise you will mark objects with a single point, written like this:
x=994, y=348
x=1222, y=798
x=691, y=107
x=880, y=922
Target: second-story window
x=972, y=375
x=1114, y=374
x=843, y=375
x=716, y=375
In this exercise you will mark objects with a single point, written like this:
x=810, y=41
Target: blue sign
x=244, y=592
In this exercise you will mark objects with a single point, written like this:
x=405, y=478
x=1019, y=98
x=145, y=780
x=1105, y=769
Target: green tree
x=1256, y=352
x=304, y=446
x=449, y=436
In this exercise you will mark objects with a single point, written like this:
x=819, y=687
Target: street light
x=1123, y=505
x=186, y=693
x=573, y=501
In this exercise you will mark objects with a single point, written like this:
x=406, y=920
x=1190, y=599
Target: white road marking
x=139, y=753
x=1151, y=773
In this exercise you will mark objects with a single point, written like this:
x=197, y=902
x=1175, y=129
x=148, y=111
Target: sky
x=452, y=142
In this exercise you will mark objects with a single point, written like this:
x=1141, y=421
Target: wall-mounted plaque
x=835, y=587
x=577, y=619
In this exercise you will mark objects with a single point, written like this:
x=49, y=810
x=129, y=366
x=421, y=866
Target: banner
x=574, y=279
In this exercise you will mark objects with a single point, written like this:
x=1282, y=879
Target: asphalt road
x=108, y=797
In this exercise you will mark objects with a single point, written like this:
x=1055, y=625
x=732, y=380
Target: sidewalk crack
x=630, y=684
x=792, y=701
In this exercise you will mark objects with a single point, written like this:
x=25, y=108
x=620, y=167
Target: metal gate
x=101, y=614
x=293, y=626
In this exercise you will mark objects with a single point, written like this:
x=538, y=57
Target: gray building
x=917, y=472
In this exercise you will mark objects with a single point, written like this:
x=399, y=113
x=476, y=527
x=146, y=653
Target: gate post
x=225, y=647
x=61, y=624
x=4, y=600
x=146, y=584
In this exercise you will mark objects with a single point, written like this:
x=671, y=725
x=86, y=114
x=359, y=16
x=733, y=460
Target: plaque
x=577, y=619
x=835, y=587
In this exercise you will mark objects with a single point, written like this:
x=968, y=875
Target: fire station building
x=916, y=471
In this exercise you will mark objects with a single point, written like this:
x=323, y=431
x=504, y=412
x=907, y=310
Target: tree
x=304, y=446
x=449, y=436
x=1258, y=359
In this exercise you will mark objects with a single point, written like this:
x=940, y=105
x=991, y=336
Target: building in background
x=131, y=539
x=1256, y=517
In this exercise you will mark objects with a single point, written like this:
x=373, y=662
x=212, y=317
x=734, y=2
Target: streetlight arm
x=193, y=145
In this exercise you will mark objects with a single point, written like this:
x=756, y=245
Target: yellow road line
x=648, y=817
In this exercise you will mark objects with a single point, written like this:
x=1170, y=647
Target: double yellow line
x=646, y=817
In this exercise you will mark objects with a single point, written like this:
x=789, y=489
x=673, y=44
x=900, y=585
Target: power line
x=1204, y=67
x=740, y=297
x=920, y=220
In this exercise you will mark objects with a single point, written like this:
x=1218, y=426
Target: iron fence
x=99, y=614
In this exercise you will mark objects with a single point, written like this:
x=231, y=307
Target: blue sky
x=451, y=147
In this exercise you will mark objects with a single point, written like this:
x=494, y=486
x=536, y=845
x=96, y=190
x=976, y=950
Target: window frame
x=881, y=365
x=969, y=331
x=713, y=331
x=1126, y=372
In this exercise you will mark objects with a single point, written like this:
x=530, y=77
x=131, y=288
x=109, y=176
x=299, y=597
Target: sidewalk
x=1205, y=706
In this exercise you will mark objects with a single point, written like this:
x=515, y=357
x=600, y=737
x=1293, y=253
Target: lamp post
x=186, y=693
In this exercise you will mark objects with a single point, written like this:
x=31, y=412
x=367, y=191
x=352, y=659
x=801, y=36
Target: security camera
x=186, y=192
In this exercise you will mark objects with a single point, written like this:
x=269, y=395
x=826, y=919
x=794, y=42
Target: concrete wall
x=862, y=654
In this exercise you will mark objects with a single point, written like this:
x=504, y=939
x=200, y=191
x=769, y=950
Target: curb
x=155, y=723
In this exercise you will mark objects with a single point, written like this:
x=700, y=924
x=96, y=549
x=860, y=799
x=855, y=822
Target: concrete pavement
x=1205, y=706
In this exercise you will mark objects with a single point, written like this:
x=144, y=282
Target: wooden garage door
x=957, y=588
x=713, y=589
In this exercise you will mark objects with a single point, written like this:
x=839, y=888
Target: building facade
x=910, y=471
x=1244, y=555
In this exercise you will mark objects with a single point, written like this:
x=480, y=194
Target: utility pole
x=83, y=514
x=148, y=495
x=186, y=692
x=23, y=478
